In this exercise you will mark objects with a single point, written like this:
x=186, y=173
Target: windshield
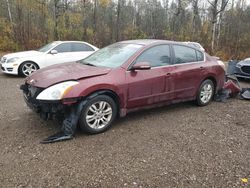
x=112, y=56
x=48, y=46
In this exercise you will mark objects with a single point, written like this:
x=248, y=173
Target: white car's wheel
x=27, y=68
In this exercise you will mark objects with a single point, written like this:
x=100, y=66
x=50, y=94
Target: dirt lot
x=176, y=146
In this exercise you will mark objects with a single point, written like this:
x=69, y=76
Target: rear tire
x=205, y=93
x=98, y=114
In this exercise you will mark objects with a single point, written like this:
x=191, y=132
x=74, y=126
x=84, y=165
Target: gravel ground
x=175, y=146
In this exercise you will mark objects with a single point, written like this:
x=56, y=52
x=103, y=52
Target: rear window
x=200, y=56
x=79, y=47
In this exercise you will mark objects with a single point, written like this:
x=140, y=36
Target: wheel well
x=213, y=80
x=109, y=93
x=27, y=62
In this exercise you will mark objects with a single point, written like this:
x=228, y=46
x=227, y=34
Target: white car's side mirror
x=53, y=52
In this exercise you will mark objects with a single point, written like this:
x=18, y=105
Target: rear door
x=189, y=68
x=151, y=86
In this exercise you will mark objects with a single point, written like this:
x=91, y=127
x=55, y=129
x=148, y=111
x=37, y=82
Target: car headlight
x=238, y=65
x=56, y=92
x=12, y=60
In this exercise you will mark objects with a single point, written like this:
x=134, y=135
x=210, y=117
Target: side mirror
x=53, y=52
x=141, y=66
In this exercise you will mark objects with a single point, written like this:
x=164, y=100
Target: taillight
x=221, y=64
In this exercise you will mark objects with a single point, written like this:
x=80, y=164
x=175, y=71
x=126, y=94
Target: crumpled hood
x=23, y=54
x=63, y=72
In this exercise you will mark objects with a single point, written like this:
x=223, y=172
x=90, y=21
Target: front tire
x=98, y=114
x=27, y=68
x=205, y=93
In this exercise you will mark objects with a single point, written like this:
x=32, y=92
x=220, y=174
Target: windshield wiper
x=89, y=64
x=84, y=63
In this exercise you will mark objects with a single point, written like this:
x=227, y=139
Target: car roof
x=63, y=41
x=146, y=42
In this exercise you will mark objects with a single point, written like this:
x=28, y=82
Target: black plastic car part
x=70, y=122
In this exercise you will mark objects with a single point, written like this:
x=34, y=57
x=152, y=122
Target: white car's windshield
x=48, y=46
x=112, y=56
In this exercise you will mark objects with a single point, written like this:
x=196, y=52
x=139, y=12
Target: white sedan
x=25, y=63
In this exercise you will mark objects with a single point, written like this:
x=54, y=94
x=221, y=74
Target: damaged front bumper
x=67, y=110
x=46, y=109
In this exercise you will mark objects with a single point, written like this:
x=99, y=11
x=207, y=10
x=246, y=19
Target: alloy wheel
x=99, y=114
x=206, y=93
x=28, y=69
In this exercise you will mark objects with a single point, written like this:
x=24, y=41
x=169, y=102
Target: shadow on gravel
x=11, y=76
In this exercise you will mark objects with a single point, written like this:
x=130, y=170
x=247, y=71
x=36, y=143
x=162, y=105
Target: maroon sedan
x=121, y=78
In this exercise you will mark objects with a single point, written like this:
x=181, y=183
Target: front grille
x=9, y=69
x=33, y=91
x=30, y=91
x=245, y=69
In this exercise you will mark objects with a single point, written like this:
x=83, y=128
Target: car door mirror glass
x=53, y=52
x=141, y=66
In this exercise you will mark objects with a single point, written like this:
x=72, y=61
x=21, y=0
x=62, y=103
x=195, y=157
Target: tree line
x=221, y=26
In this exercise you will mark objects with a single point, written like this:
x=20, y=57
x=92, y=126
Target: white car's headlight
x=56, y=92
x=12, y=60
x=238, y=65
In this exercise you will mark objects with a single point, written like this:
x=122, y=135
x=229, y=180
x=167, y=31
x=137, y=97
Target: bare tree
x=118, y=19
x=9, y=12
x=215, y=12
x=195, y=17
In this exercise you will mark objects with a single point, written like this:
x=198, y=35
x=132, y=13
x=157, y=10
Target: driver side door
x=150, y=86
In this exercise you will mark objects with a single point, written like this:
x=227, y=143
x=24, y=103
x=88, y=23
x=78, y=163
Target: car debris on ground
x=232, y=89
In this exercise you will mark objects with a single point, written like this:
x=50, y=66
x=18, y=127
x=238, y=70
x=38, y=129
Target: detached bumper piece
x=69, y=125
x=245, y=93
x=232, y=88
x=60, y=136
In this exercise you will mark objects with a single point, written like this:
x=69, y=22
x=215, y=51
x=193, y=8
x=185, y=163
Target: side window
x=65, y=47
x=79, y=47
x=184, y=54
x=200, y=56
x=156, y=56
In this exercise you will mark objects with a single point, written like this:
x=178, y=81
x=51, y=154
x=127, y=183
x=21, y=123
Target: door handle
x=202, y=68
x=168, y=74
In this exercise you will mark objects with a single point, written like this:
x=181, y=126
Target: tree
x=216, y=10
